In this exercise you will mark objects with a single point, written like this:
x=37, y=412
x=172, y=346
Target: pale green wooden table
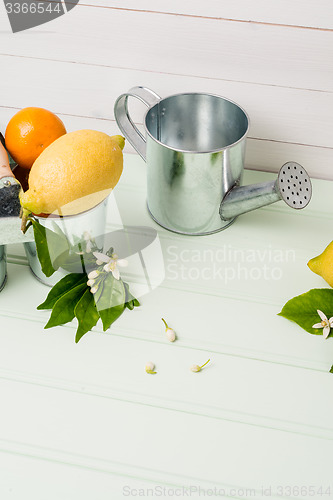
x=86, y=422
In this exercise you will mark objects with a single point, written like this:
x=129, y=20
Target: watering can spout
x=293, y=186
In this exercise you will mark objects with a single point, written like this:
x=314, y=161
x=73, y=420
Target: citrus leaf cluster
x=71, y=297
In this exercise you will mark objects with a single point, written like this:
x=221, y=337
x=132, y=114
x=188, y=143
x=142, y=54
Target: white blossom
x=111, y=263
x=325, y=323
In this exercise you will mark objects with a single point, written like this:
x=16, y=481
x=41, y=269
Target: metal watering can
x=194, y=147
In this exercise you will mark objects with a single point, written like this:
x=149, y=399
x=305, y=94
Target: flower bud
x=108, y=267
x=90, y=282
x=150, y=367
x=197, y=368
x=93, y=289
x=170, y=334
x=93, y=274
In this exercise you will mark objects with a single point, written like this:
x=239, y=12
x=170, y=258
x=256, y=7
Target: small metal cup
x=194, y=146
x=77, y=227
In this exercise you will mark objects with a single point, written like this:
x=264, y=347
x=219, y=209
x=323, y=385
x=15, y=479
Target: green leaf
x=303, y=308
x=86, y=313
x=57, y=229
x=131, y=301
x=113, y=293
x=331, y=370
x=111, y=303
x=75, y=263
x=109, y=316
x=64, y=285
x=129, y=305
x=63, y=309
x=50, y=246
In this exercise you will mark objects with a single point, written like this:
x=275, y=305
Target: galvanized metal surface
x=293, y=186
x=194, y=147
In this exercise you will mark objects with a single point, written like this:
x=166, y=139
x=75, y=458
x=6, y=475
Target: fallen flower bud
x=170, y=333
x=150, y=367
x=197, y=368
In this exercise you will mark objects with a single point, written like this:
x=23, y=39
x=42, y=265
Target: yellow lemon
x=323, y=264
x=75, y=173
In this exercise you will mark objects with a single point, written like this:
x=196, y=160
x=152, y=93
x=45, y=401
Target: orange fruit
x=29, y=132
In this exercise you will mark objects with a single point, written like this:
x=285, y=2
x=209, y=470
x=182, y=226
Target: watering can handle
x=125, y=122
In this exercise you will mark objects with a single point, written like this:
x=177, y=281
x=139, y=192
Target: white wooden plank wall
x=273, y=58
